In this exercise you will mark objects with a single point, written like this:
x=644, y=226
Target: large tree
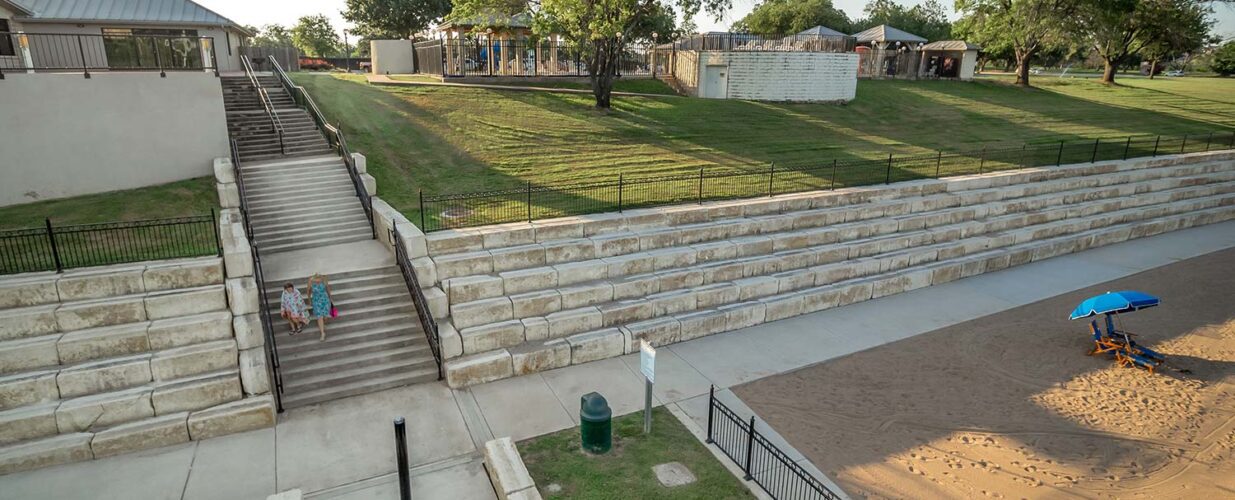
x=394, y=18
x=314, y=36
x=1120, y=29
x=271, y=35
x=1224, y=59
x=1177, y=32
x=928, y=19
x=1027, y=27
x=793, y=16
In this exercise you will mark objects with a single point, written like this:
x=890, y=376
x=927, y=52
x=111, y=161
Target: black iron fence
x=760, y=460
x=531, y=202
x=724, y=41
x=482, y=56
x=58, y=248
x=20, y=52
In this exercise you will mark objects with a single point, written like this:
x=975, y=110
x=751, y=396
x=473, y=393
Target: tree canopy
x=314, y=36
x=928, y=20
x=1120, y=29
x=400, y=19
x=1224, y=59
x=793, y=16
x=270, y=35
x=1023, y=27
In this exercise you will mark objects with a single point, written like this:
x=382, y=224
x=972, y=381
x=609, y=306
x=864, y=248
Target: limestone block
x=698, y=233
x=833, y=273
x=526, y=280
x=752, y=245
x=635, y=286
x=714, y=251
x=651, y=217
x=471, y=288
x=105, y=342
x=481, y=312
x=760, y=265
x=701, y=323
x=100, y=312
x=194, y=359
x=654, y=239
x=596, y=345
x=854, y=292
x=224, y=171
x=189, y=274
x=673, y=302
x=614, y=244
x=818, y=299
x=625, y=311
x=658, y=332
x=228, y=193
x=196, y=393
x=254, y=377
x=99, y=283
x=451, y=344
x=743, y=314
x=438, y=305
x=518, y=257
x=426, y=271
x=28, y=291
x=506, y=470
x=507, y=235
x=100, y=411
x=412, y=238
x=585, y=295
x=463, y=264
x=784, y=306
x=721, y=272
x=535, y=328
x=946, y=272
x=755, y=287
x=28, y=422
x=537, y=303
x=570, y=322
x=995, y=262
x=559, y=229
x=492, y=336
x=186, y=302
x=599, y=224
x=794, y=280
x=627, y=265
x=154, y=432
x=453, y=241
x=478, y=368
x=46, y=452
x=680, y=278
x=238, y=416
x=105, y=375
x=24, y=354
x=716, y=294
x=176, y=332
x=557, y=252
x=578, y=272
x=901, y=282
x=370, y=184
x=672, y=258
x=237, y=257
x=790, y=241
x=27, y=388
x=538, y=356
x=242, y=296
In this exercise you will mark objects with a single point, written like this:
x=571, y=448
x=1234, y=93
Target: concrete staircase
x=103, y=361
x=303, y=203
x=376, y=342
x=248, y=123
x=524, y=298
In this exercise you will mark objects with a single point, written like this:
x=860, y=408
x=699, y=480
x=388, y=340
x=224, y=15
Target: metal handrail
x=275, y=122
x=418, y=298
x=334, y=137
x=272, y=351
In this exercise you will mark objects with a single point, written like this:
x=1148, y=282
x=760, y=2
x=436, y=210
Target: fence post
x=405, y=481
x=1183, y=145
x=619, y=192
x=1127, y=145
x=982, y=160
x=771, y=176
x=1093, y=158
x=422, y=211
x=55, y=252
x=1021, y=161
x=711, y=401
x=529, y=202
x=85, y=68
x=214, y=228
x=750, y=445
x=1059, y=157
x=887, y=178
x=1208, y=141
x=1232, y=145
x=1156, y=141
x=700, y=185
x=832, y=186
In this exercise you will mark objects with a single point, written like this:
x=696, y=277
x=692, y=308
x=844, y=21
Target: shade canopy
x=1114, y=303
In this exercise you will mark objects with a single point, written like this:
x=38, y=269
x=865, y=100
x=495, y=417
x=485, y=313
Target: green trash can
x=595, y=423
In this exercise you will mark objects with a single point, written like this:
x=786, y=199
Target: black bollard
x=405, y=480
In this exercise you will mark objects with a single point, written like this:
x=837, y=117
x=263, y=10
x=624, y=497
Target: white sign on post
x=647, y=360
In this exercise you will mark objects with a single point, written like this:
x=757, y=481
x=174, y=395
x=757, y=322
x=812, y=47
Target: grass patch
x=416, y=78
x=626, y=471
x=177, y=199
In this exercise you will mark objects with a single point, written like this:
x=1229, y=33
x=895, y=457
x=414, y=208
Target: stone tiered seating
x=522, y=298
x=102, y=361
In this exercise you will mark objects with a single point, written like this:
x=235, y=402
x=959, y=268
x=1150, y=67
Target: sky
x=285, y=12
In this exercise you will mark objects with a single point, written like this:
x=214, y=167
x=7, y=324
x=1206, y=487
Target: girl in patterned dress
x=319, y=297
x=292, y=308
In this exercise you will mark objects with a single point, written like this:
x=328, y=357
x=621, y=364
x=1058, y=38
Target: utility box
x=595, y=423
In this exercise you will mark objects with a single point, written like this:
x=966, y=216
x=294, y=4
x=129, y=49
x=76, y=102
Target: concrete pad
x=347, y=440
x=463, y=481
x=610, y=377
x=342, y=258
x=521, y=407
x=158, y=473
x=219, y=474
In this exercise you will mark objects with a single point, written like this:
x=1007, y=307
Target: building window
x=6, y=40
x=149, y=48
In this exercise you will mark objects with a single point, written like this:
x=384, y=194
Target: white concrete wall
x=65, y=135
x=786, y=76
x=392, y=56
x=969, y=61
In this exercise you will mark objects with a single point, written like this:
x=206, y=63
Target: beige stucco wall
x=392, y=56
x=65, y=135
x=783, y=76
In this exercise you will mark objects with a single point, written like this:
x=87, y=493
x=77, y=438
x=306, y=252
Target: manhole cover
x=455, y=213
x=673, y=474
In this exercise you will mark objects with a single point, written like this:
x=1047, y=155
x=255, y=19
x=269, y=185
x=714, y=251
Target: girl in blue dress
x=319, y=300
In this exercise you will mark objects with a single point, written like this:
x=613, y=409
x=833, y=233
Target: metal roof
x=822, y=30
x=885, y=33
x=951, y=45
x=141, y=11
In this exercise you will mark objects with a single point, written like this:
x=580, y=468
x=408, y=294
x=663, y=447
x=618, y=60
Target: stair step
x=379, y=382
x=331, y=351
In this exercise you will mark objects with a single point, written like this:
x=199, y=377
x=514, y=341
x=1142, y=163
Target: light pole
x=654, y=54
x=347, y=54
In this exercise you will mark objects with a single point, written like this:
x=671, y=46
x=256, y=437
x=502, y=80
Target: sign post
x=647, y=365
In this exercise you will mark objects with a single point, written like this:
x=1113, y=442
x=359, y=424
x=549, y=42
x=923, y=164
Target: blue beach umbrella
x=1114, y=303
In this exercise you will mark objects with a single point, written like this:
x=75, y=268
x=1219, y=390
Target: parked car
x=1035, y=71
x=313, y=63
x=1175, y=72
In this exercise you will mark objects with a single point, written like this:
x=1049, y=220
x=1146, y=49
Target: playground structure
x=1116, y=342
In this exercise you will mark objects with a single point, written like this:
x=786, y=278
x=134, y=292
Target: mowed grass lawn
x=176, y=199
x=452, y=140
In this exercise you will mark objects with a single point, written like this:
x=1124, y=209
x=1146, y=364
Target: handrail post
x=832, y=185
x=1183, y=145
x=55, y=251
x=938, y=162
x=529, y=202
x=1127, y=145
x=1094, y=157
x=771, y=177
x=1059, y=157
x=887, y=178
x=214, y=225
x=422, y=211
x=85, y=68
x=711, y=409
x=1156, y=141
x=750, y=446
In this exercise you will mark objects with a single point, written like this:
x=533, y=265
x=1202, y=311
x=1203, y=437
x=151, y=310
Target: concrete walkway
x=344, y=448
x=386, y=80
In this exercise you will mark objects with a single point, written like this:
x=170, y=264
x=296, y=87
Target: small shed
x=821, y=30
x=949, y=59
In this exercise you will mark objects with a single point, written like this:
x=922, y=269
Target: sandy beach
x=1010, y=405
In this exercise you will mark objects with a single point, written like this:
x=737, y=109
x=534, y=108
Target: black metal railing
x=532, y=202
x=761, y=461
x=56, y=248
x=59, y=52
x=276, y=124
x=736, y=41
x=418, y=297
x=272, y=350
x=334, y=136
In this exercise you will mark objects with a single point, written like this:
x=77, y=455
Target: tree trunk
x=1022, y=67
x=601, y=72
x=1108, y=74
x=1153, y=68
